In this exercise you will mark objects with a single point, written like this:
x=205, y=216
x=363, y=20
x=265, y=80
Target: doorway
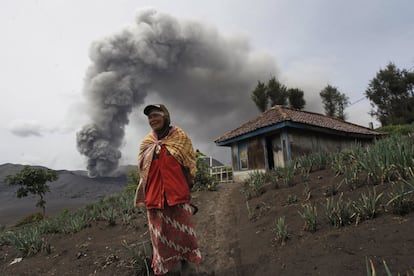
x=269, y=151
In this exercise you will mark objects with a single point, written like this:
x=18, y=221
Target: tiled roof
x=278, y=114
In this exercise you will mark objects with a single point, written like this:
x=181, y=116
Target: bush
x=203, y=180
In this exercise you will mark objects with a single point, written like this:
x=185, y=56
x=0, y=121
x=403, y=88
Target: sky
x=201, y=58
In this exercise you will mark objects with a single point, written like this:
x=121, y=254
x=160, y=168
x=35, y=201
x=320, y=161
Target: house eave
x=296, y=125
x=256, y=132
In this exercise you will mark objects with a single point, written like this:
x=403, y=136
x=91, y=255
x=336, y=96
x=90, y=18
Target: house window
x=244, y=164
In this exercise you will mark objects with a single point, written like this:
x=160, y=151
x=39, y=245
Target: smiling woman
x=157, y=114
x=156, y=120
x=167, y=167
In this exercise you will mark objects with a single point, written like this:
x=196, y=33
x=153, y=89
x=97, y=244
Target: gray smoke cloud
x=203, y=77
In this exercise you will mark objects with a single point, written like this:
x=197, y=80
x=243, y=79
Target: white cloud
x=26, y=128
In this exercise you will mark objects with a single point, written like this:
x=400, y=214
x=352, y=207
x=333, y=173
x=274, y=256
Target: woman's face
x=156, y=121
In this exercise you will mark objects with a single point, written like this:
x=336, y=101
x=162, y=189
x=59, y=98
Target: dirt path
x=218, y=229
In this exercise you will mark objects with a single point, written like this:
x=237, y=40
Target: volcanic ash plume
x=188, y=64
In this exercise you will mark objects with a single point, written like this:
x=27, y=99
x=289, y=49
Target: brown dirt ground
x=235, y=241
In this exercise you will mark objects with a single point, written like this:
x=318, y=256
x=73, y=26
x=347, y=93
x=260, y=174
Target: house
x=281, y=134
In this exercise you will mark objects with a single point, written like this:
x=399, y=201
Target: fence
x=222, y=174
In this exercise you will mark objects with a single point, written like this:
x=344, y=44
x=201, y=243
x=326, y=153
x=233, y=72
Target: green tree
x=341, y=103
x=391, y=93
x=296, y=100
x=328, y=95
x=259, y=96
x=334, y=102
x=276, y=92
x=33, y=181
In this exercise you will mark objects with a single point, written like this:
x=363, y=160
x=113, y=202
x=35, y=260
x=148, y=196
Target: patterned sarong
x=173, y=237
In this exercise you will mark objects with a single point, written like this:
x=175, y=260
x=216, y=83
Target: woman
x=166, y=164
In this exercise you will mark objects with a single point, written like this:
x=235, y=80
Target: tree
x=33, y=181
x=391, y=93
x=341, y=103
x=259, y=96
x=328, y=99
x=276, y=92
x=296, y=100
x=334, y=102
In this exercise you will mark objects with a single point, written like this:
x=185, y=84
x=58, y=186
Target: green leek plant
x=339, y=213
x=254, y=185
x=287, y=174
x=368, y=205
x=291, y=199
x=27, y=240
x=280, y=229
x=402, y=197
x=309, y=215
x=273, y=177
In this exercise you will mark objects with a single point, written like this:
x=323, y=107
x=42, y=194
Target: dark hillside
x=71, y=190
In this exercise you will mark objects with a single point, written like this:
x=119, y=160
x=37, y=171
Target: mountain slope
x=71, y=190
